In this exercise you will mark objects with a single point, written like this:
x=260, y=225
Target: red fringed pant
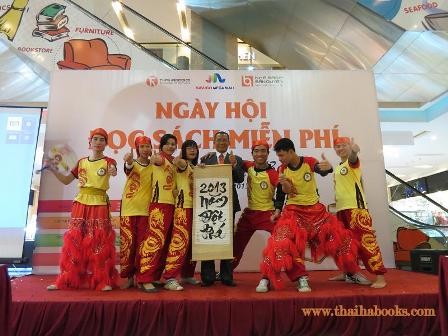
x=88, y=252
x=132, y=231
x=178, y=260
x=359, y=222
x=249, y=222
x=298, y=225
x=154, y=247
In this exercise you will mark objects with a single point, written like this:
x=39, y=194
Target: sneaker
x=106, y=288
x=191, y=281
x=52, y=287
x=357, y=278
x=173, y=285
x=263, y=286
x=302, y=284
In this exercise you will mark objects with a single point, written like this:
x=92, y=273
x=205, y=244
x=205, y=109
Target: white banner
x=310, y=107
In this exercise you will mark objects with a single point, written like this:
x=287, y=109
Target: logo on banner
x=216, y=77
x=262, y=80
x=152, y=81
x=247, y=80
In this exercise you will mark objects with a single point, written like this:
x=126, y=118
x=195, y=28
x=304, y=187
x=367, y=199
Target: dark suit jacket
x=237, y=175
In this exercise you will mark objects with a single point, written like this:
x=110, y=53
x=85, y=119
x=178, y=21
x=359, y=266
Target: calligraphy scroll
x=212, y=234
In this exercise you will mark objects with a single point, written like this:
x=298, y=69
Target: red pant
x=310, y=224
x=154, y=247
x=249, y=222
x=132, y=231
x=88, y=253
x=359, y=222
x=178, y=260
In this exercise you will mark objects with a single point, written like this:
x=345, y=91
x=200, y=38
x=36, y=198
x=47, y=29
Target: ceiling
x=427, y=155
x=338, y=34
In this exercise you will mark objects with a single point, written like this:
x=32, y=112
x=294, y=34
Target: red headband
x=341, y=140
x=98, y=131
x=141, y=140
x=260, y=143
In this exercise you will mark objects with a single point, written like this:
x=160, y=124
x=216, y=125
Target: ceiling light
x=128, y=32
x=117, y=6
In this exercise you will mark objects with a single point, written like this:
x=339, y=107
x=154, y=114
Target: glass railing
x=148, y=35
x=419, y=209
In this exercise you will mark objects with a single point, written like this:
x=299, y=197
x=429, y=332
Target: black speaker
x=426, y=261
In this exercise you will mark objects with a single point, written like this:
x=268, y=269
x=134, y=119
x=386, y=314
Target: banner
x=309, y=107
x=212, y=233
x=58, y=35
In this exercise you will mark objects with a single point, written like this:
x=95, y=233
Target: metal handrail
x=421, y=225
x=172, y=35
x=429, y=199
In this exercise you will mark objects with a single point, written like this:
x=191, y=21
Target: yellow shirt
x=348, y=187
x=93, y=180
x=303, y=181
x=184, y=184
x=260, y=187
x=163, y=182
x=137, y=190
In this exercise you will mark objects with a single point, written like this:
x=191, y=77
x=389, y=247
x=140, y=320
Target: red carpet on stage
x=221, y=310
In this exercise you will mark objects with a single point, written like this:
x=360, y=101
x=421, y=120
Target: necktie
x=221, y=158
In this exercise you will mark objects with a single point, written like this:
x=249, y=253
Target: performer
x=303, y=220
x=262, y=210
x=154, y=248
x=134, y=208
x=352, y=210
x=88, y=252
x=178, y=261
x=221, y=142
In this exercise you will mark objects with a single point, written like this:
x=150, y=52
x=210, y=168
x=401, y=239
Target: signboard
x=212, y=235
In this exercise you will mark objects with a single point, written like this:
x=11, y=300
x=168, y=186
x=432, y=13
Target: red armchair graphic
x=407, y=240
x=92, y=55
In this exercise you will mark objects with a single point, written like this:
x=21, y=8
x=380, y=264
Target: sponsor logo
x=215, y=78
x=152, y=81
x=262, y=81
x=247, y=80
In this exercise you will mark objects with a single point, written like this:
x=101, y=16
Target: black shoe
x=229, y=283
x=206, y=284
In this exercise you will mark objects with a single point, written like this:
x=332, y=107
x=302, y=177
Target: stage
x=221, y=310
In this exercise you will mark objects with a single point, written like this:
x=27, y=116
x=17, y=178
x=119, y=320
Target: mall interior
x=403, y=43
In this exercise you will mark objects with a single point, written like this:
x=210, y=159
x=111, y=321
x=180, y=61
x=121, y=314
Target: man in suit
x=221, y=144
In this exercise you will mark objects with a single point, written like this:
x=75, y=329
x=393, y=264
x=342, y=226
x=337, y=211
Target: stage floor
x=221, y=310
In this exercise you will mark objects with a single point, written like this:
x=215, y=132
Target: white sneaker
x=52, y=287
x=173, y=285
x=357, y=278
x=263, y=286
x=302, y=284
x=191, y=281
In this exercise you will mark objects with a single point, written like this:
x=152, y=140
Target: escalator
x=147, y=35
x=422, y=226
